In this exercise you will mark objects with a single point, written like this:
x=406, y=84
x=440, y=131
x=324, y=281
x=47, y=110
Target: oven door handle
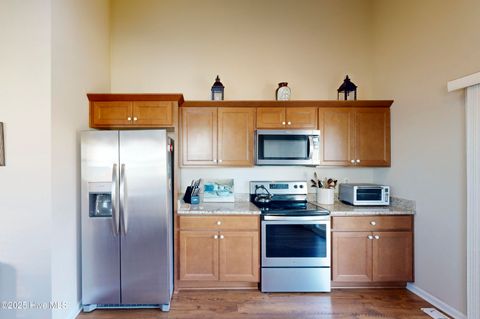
x=295, y=218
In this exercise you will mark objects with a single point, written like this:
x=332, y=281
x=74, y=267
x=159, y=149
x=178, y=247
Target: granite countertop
x=397, y=206
x=235, y=208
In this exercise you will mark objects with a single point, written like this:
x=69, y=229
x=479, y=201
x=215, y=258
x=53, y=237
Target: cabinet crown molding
x=98, y=97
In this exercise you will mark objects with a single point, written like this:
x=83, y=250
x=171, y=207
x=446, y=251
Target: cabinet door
x=392, y=256
x=199, y=136
x=302, y=117
x=372, y=137
x=198, y=255
x=236, y=126
x=270, y=117
x=336, y=133
x=351, y=256
x=239, y=256
x=153, y=113
x=105, y=114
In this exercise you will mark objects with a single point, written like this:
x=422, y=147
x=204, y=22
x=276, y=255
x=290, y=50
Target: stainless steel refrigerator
x=127, y=244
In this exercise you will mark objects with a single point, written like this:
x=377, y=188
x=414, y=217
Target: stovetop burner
x=287, y=198
x=293, y=209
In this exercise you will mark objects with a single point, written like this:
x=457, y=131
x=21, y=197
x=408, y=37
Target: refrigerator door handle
x=123, y=198
x=115, y=219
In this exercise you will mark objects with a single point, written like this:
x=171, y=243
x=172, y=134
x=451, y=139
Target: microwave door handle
x=310, y=147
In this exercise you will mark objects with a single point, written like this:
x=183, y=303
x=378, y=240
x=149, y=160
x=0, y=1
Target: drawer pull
x=219, y=223
x=135, y=118
x=352, y=161
x=215, y=236
x=377, y=237
x=373, y=223
x=129, y=118
x=289, y=123
x=222, y=237
x=370, y=237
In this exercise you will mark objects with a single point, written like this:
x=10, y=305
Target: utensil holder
x=325, y=196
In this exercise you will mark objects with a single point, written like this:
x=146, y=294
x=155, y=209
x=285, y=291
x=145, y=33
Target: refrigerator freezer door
x=145, y=233
x=100, y=243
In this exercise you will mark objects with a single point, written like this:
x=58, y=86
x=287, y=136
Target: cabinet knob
x=219, y=223
x=215, y=236
x=214, y=161
x=283, y=123
x=370, y=237
x=352, y=161
x=289, y=123
x=222, y=237
x=358, y=161
x=129, y=118
x=377, y=237
x=135, y=118
x=220, y=161
x=373, y=223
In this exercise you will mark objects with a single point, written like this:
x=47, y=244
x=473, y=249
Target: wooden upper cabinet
x=155, y=113
x=372, y=136
x=393, y=256
x=236, y=126
x=354, y=136
x=198, y=255
x=271, y=117
x=199, y=136
x=117, y=111
x=108, y=113
x=301, y=117
x=239, y=256
x=351, y=257
x=290, y=117
x=336, y=135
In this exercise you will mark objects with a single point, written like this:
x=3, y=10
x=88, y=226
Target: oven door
x=287, y=147
x=302, y=241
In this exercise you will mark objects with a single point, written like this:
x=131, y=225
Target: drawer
x=371, y=223
x=220, y=222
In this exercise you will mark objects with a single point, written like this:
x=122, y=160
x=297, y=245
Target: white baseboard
x=75, y=311
x=449, y=310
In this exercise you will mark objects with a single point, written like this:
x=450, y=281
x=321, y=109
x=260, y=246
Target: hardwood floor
x=341, y=303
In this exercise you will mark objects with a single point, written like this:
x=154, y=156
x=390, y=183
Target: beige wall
x=419, y=46
x=181, y=45
x=25, y=193
x=80, y=64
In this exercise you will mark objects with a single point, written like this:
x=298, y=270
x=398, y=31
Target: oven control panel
x=281, y=187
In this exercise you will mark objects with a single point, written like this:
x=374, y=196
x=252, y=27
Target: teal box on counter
x=195, y=200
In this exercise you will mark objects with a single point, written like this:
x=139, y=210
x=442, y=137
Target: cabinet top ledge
x=176, y=97
x=291, y=103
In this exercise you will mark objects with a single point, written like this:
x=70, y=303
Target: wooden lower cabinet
x=198, y=255
x=215, y=254
x=239, y=256
x=351, y=256
x=393, y=256
x=366, y=257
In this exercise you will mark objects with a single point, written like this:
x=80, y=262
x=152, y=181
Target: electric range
x=295, y=238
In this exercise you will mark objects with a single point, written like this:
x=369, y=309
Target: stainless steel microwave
x=287, y=147
x=364, y=194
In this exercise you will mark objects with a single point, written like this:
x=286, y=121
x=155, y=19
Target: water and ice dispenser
x=100, y=199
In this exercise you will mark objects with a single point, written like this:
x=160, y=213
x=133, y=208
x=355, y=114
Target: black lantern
x=345, y=90
x=217, y=90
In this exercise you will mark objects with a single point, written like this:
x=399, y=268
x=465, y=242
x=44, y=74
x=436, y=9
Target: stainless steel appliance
x=295, y=238
x=364, y=194
x=127, y=245
x=287, y=147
